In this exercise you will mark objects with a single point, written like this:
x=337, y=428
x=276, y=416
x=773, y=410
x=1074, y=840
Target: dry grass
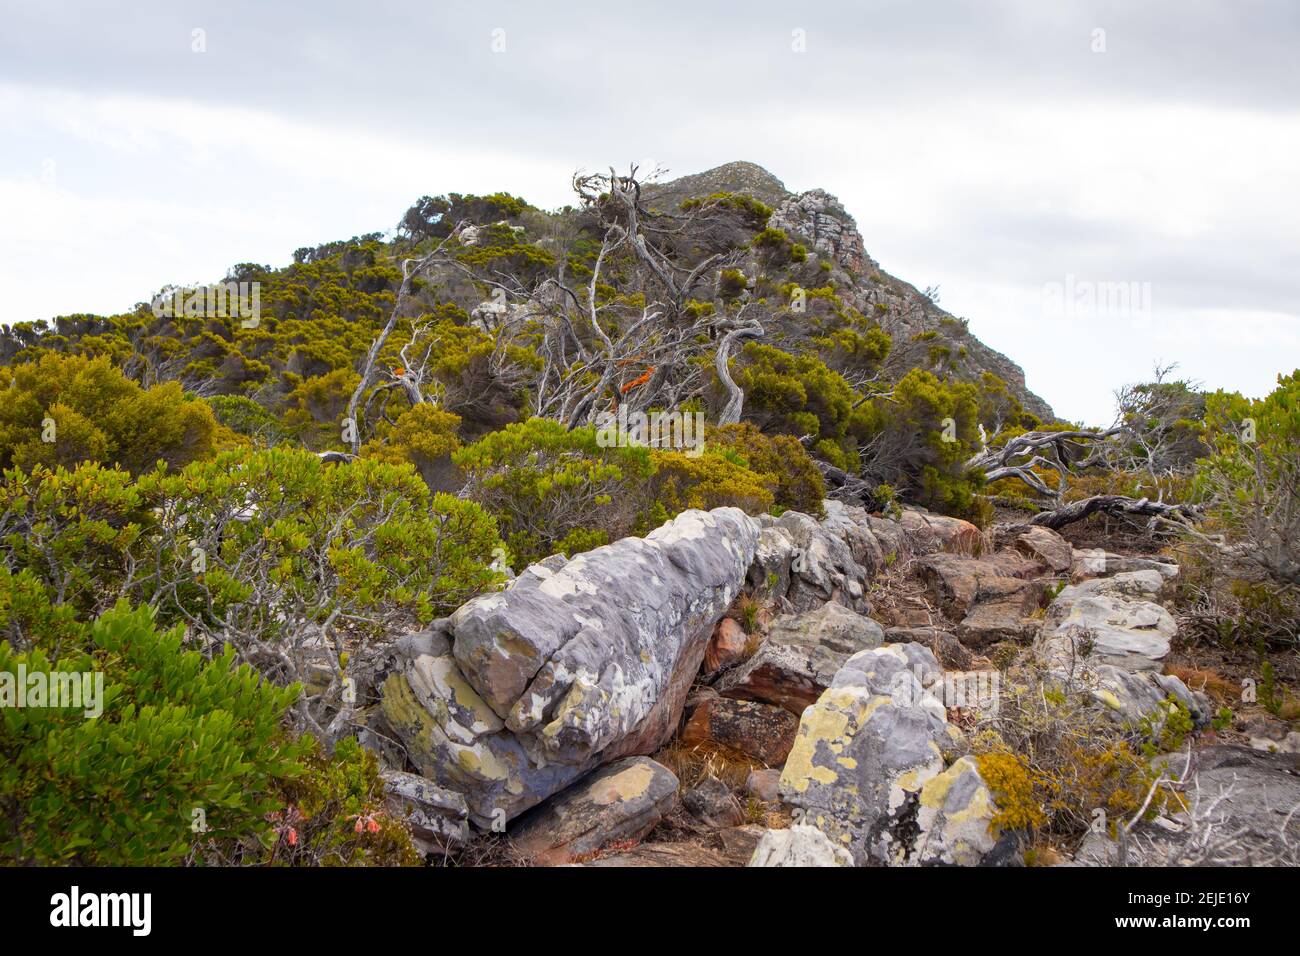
x=1220, y=689
x=694, y=763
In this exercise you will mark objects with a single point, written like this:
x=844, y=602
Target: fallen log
x=1113, y=505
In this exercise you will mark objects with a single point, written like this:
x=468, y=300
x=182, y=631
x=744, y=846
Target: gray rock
x=1244, y=810
x=437, y=818
x=572, y=666
x=798, y=846
x=865, y=750
x=1096, y=562
x=764, y=785
x=1089, y=628
x=800, y=657
x=622, y=801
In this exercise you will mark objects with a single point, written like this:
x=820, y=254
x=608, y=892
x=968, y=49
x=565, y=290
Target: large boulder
x=866, y=748
x=956, y=583
x=621, y=802
x=1088, y=627
x=575, y=664
x=800, y=657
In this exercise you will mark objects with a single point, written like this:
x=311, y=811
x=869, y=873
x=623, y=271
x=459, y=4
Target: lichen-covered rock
x=956, y=819
x=762, y=731
x=437, y=818
x=1139, y=699
x=798, y=846
x=1082, y=627
x=865, y=750
x=800, y=657
x=574, y=665
x=622, y=801
x=950, y=653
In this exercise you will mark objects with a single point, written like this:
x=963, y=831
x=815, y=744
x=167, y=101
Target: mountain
x=924, y=334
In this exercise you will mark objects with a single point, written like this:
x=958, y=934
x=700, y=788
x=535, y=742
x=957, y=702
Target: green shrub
x=555, y=490
x=66, y=409
x=799, y=485
x=178, y=734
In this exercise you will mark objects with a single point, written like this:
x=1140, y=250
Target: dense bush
x=782, y=459
x=555, y=490
x=66, y=409
x=178, y=734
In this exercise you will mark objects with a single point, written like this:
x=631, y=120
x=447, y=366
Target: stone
x=931, y=532
x=620, y=802
x=762, y=731
x=713, y=804
x=1046, y=546
x=1096, y=562
x=1245, y=801
x=572, y=666
x=956, y=583
x=1082, y=627
x=1145, y=585
x=728, y=848
x=818, y=217
x=950, y=653
x=798, y=846
x=1135, y=698
x=727, y=646
x=1004, y=617
x=956, y=813
x=769, y=574
x=800, y=657
x=865, y=750
x=437, y=819
x=764, y=785
x=822, y=566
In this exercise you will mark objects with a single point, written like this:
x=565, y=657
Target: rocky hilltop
x=903, y=311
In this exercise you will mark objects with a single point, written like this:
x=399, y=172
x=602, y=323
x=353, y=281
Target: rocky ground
x=788, y=690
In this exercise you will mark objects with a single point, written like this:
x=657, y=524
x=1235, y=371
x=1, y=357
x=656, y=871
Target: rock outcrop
x=868, y=767
x=575, y=664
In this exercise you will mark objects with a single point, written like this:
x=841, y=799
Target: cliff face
x=924, y=335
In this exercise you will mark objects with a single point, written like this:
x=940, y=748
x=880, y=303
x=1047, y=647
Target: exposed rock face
x=761, y=731
x=1083, y=626
x=726, y=646
x=801, y=656
x=956, y=816
x=620, y=802
x=573, y=665
x=865, y=750
x=818, y=217
x=798, y=846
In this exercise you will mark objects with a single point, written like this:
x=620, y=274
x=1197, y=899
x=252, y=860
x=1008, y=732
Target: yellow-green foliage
x=711, y=480
x=89, y=411
x=423, y=435
x=1011, y=782
x=782, y=459
x=552, y=489
x=799, y=395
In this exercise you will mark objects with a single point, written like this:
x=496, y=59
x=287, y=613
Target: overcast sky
x=1019, y=155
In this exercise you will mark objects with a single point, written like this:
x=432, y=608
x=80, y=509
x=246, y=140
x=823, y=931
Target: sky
x=1098, y=187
